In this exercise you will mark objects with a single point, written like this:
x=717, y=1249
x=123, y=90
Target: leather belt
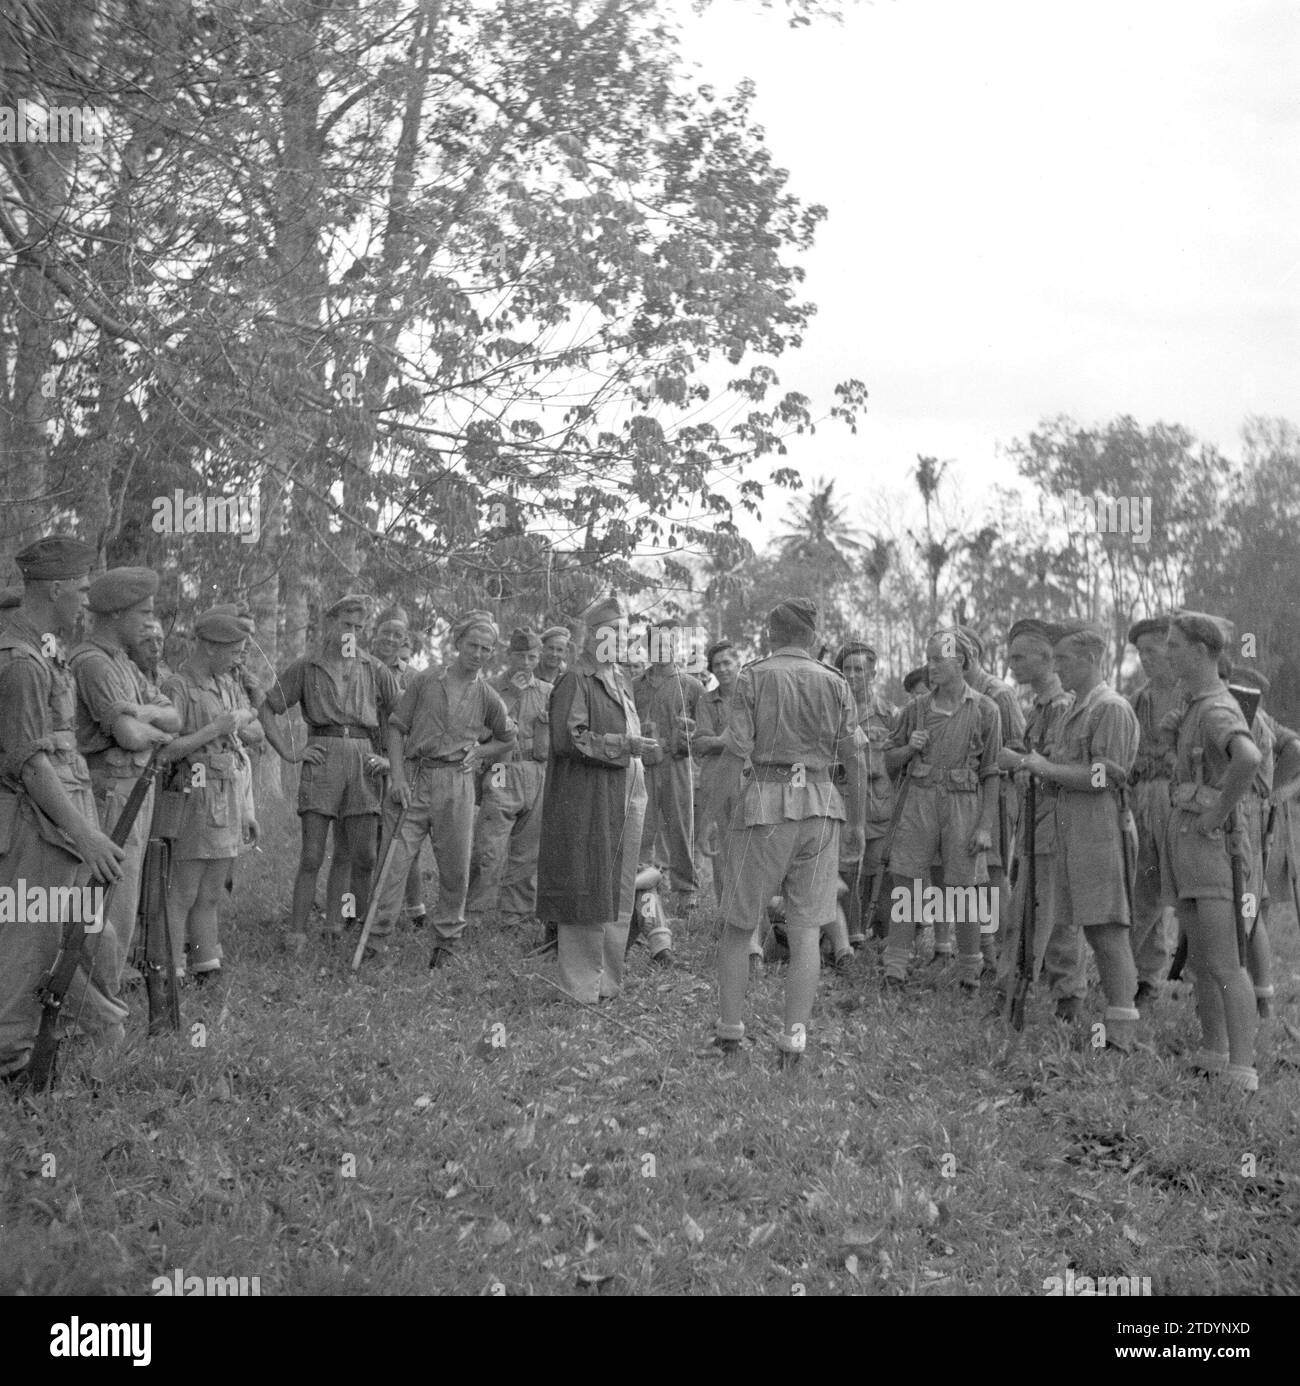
x=350, y=732
x=784, y=772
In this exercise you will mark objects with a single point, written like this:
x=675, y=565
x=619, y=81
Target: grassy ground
x=470, y=1131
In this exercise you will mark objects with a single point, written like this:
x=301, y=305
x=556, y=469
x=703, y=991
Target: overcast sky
x=1035, y=207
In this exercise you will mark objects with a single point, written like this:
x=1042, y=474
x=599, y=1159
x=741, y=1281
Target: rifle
x=1290, y=857
x=159, y=966
x=376, y=890
x=887, y=851
x=1237, y=829
x=1029, y=918
x=53, y=987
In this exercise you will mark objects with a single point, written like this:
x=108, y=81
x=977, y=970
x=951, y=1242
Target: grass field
x=470, y=1131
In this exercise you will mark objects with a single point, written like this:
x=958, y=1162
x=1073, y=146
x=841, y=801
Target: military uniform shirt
x=367, y=689
x=526, y=707
x=971, y=741
x=108, y=684
x=435, y=729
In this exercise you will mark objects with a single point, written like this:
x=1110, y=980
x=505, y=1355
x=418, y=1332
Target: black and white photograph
x=650, y=648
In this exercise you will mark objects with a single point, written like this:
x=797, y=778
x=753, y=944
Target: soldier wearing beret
x=555, y=650
x=1155, y=701
x=1013, y=729
x=509, y=829
x=712, y=717
x=668, y=701
x=49, y=829
x=343, y=692
x=1215, y=761
x=947, y=741
x=146, y=654
x=120, y=719
x=206, y=760
x=792, y=719
x=875, y=720
x=435, y=748
x=1086, y=769
x=1058, y=944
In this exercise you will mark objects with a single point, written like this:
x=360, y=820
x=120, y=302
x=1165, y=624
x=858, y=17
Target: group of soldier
x=562, y=793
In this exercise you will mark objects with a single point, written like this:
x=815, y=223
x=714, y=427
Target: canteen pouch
x=542, y=736
x=168, y=811
x=966, y=780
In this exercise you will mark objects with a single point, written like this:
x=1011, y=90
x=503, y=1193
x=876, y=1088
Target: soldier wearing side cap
x=206, y=762
x=1153, y=702
x=120, y=719
x=343, y=692
x=49, y=829
x=1086, y=770
x=1215, y=761
x=1058, y=944
x=436, y=746
x=792, y=720
x=508, y=832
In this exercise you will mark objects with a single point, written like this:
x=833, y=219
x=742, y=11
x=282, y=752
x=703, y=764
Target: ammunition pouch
x=1193, y=796
x=961, y=780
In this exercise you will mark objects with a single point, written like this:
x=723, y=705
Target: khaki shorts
x=798, y=860
x=1194, y=865
x=338, y=787
x=939, y=821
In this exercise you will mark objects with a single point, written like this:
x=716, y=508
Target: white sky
x=1036, y=206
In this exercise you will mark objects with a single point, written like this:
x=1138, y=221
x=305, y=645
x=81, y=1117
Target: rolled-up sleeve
x=24, y=694
x=100, y=689
x=286, y=690
x=740, y=733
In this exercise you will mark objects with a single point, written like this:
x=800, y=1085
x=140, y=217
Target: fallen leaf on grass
x=851, y=1265
x=694, y=1232
x=762, y=1233
x=498, y=1234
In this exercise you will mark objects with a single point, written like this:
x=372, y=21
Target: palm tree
x=821, y=539
x=935, y=553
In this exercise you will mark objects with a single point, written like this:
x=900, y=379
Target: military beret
x=469, y=620
x=219, y=628
x=552, y=631
x=1248, y=678
x=853, y=647
x=1149, y=625
x=239, y=610
x=119, y=589
x=916, y=678
x=1214, y=632
x=9, y=597
x=798, y=610
x=522, y=639
x=605, y=610
x=54, y=558
x=353, y=601
x=394, y=615
x=973, y=643
x=1031, y=625
x=958, y=636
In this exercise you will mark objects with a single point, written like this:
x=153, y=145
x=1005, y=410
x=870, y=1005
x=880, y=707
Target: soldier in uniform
x=1058, y=945
x=1086, y=769
x=146, y=653
x=1215, y=762
x=120, y=720
x=240, y=692
x=49, y=829
x=947, y=741
x=343, y=692
x=593, y=811
x=556, y=641
x=1157, y=698
x=509, y=829
x=668, y=701
x=1013, y=730
x=792, y=718
x=207, y=760
x=875, y=720
x=712, y=715
x=434, y=751
x=1255, y=808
